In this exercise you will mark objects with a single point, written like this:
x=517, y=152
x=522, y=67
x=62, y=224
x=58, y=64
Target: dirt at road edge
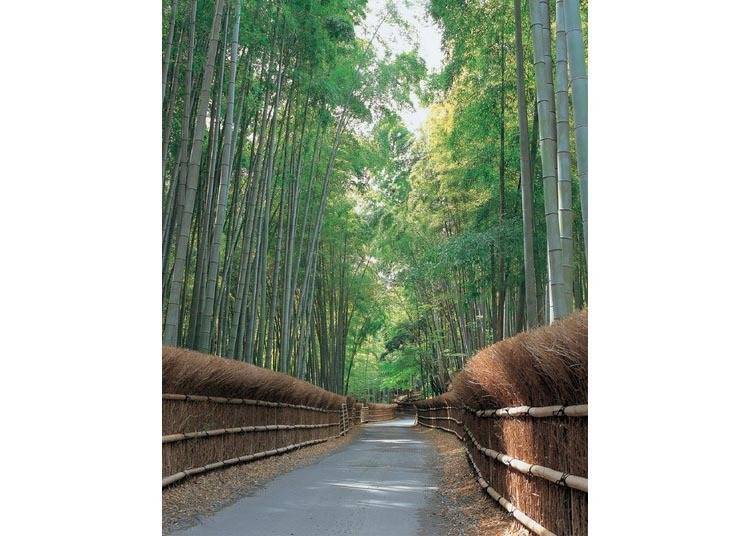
x=464, y=509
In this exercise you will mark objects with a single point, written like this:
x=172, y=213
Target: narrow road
x=384, y=482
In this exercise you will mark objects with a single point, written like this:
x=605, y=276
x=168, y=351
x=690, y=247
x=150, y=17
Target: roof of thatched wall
x=373, y=405
x=193, y=373
x=544, y=366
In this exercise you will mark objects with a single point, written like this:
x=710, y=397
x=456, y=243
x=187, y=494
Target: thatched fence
x=218, y=412
x=407, y=409
x=380, y=412
x=520, y=407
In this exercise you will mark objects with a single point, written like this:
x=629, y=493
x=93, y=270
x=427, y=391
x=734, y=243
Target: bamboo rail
x=221, y=431
x=444, y=429
x=166, y=481
x=557, y=477
x=224, y=400
x=281, y=432
x=521, y=517
x=579, y=410
x=442, y=419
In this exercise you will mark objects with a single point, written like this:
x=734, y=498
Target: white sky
x=424, y=32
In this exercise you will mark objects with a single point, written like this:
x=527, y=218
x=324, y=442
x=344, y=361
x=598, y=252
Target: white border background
x=80, y=295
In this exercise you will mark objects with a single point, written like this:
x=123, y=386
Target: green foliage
x=414, y=249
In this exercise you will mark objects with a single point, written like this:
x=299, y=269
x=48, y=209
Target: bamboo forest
x=345, y=208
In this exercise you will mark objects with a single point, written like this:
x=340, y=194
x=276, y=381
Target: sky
x=424, y=32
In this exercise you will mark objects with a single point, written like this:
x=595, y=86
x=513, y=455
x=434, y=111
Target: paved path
x=383, y=483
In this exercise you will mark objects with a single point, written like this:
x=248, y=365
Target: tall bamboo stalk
x=168, y=49
x=547, y=141
x=579, y=89
x=176, y=206
x=564, y=191
x=207, y=312
x=526, y=194
x=178, y=276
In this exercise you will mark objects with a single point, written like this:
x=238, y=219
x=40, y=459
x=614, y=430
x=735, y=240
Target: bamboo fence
x=406, y=410
x=207, y=431
x=519, y=407
x=524, y=519
x=381, y=412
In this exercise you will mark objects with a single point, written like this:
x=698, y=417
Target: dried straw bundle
x=542, y=367
x=189, y=372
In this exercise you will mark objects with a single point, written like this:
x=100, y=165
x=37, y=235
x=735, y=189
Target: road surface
x=383, y=483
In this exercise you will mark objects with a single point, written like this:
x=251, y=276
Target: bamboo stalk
x=242, y=429
x=557, y=477
x=166, y=481
x=521, y=517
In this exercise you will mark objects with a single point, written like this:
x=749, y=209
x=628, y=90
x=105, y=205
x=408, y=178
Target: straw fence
x=218, y=412
x=380, y=412
x=406, y=409
x=520, y=407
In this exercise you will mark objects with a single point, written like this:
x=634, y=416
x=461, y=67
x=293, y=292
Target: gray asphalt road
x=383, y=483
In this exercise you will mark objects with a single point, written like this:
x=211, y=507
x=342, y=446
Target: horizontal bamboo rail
x=221, y=431
x=441, y=419
x=166, y=481
x=444, y=429
x=438, y=408
x=223, y=400
x=557, y=477
x=522, y=518
x=579, y=410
